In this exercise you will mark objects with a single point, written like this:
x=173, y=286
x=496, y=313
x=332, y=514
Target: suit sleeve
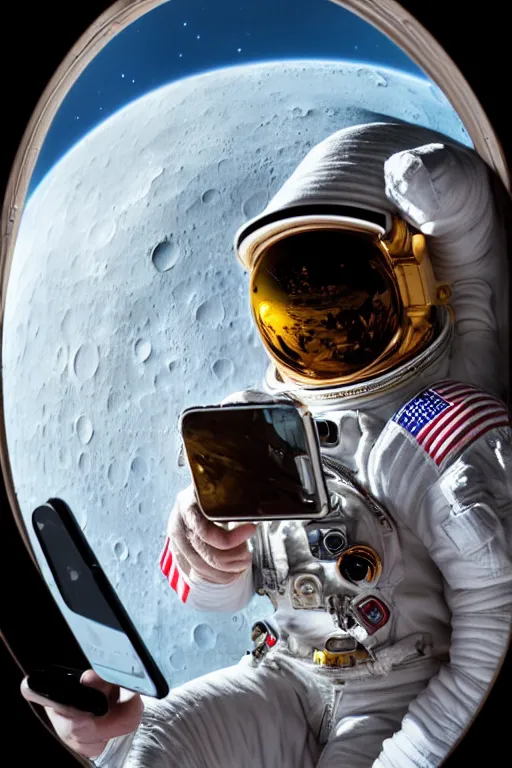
x=465, y=520
x=116, y=752
x=205, y=596
x=200, y=594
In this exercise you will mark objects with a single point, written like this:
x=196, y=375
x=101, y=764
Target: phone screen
x=90, y=605
x=251, y=462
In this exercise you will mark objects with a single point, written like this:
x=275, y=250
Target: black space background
x=35, y=39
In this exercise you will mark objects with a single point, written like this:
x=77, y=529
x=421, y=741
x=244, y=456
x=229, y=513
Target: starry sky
x=186, y=37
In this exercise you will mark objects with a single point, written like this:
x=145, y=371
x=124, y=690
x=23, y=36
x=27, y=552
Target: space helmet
x=341, y=288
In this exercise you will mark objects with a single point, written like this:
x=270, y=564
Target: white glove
x=215, y=554
x=445, y=192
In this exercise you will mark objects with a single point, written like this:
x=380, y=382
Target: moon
x=125, y=304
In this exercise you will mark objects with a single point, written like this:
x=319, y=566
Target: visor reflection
x=325, y=302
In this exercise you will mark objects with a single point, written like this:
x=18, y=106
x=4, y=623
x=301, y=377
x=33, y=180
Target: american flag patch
x=450, y=416
x=173, y=573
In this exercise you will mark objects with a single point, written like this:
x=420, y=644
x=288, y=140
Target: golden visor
x=337, y=300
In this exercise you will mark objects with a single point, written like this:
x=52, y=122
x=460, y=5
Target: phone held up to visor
x=255, y=462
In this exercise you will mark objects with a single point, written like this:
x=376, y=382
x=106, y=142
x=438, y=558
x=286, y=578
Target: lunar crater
x=84, y=429
x=165, y=255
x=86, y=361
x=223, y=368
x=204, y=637
x=142, y=349
x=210, y=196
x=211, y=312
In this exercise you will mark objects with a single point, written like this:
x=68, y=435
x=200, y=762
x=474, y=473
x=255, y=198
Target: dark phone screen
x=75, y=577
x=250, y=462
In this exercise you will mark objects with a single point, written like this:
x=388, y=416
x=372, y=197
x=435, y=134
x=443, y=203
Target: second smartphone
x=92, y=609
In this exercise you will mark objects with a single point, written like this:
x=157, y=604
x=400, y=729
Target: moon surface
x=125, y=304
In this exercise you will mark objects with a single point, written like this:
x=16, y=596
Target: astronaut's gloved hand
x=445, y=192
x=215, y=554
x=87, y=734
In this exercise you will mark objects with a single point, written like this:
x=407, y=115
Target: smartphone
x=91, y=607
x=62, y=685
x=255, y=462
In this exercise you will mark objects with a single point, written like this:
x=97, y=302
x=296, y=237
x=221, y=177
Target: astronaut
x=378, y=286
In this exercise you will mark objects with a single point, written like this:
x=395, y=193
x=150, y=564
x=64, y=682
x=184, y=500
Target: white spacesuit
x=393, y=613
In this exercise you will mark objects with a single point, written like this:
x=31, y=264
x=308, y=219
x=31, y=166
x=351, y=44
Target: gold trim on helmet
x=405, y=264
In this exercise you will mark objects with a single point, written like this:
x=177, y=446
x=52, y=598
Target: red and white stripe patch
x=449, y=416
x=173, y=573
